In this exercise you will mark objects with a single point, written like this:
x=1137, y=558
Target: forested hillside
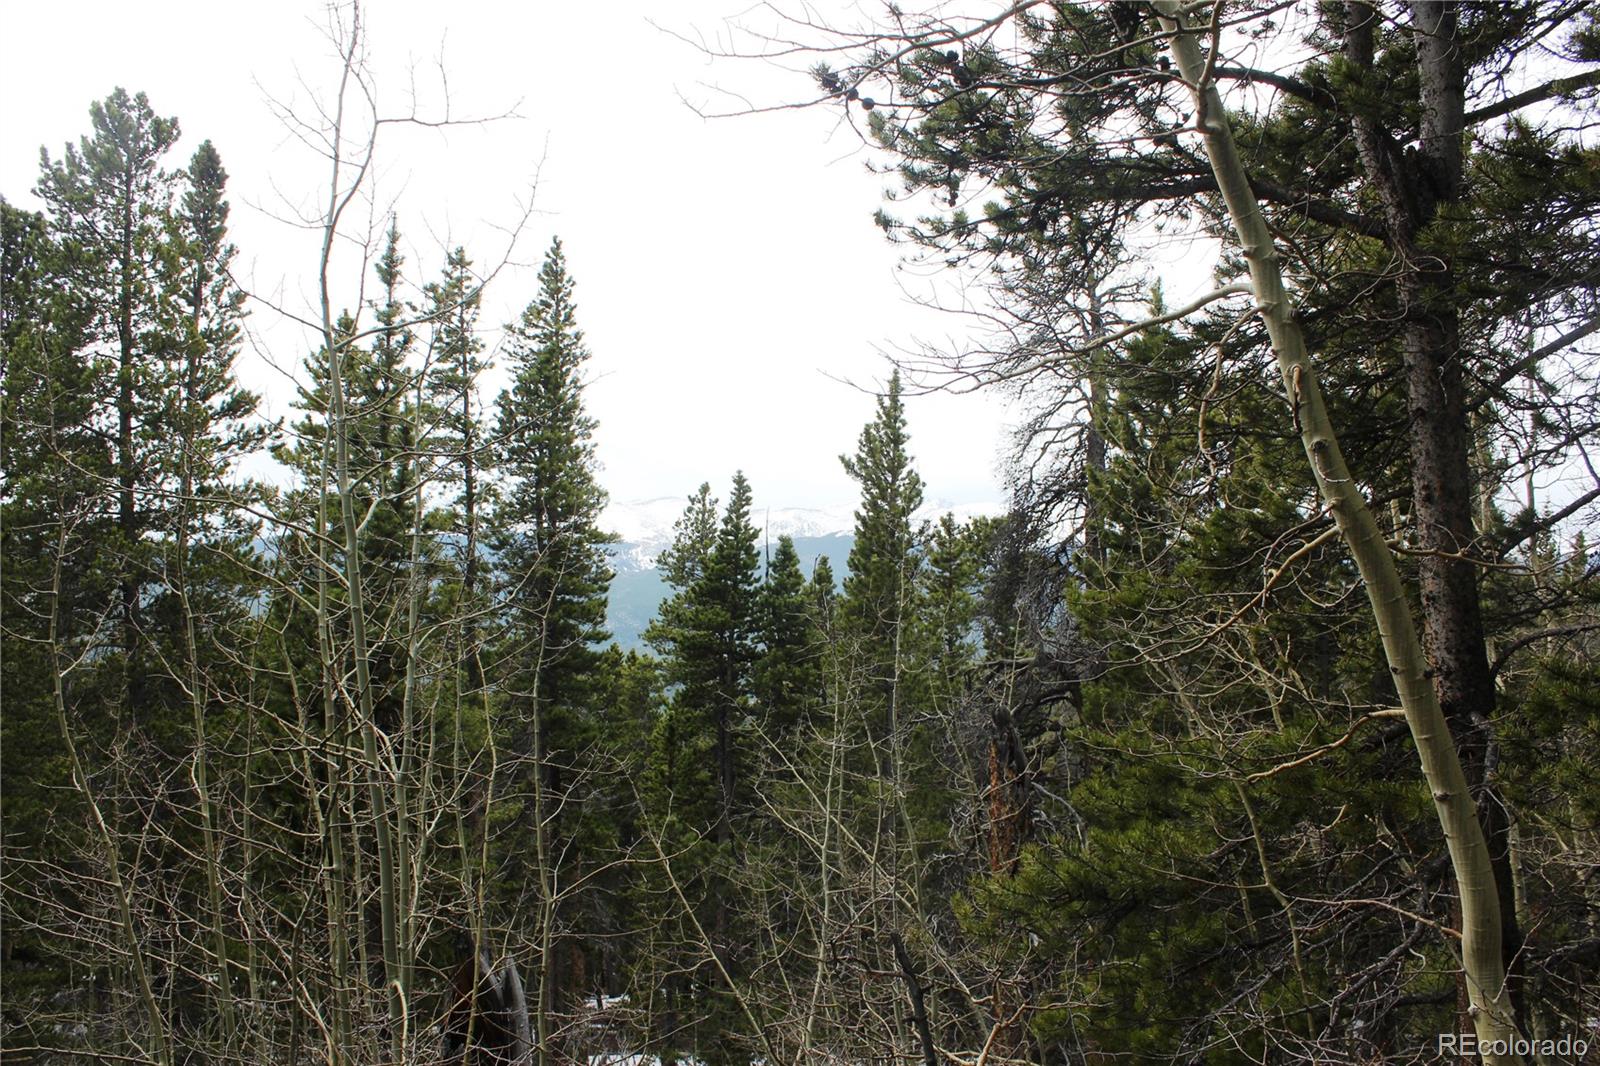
x=1264, y=727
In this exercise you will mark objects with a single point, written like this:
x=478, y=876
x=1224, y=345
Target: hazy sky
x=728, y=270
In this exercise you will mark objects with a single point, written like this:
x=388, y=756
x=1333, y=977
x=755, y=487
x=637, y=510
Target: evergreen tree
x=144, y=323
x=718, y=650
x=554, y=573
x=701, y=758
x=551, y=550
x=382, y=443
x=709, y=631
x=456, y=438
x=880, y=589
x=681, y=564
x=822, y=596
x=110, y=203
x=383, y=406
x=1458, y=213
x=787, y=677
x=693, y=536
x=947, y=652
x=210, y=583
x=679, y=787
x=884, y=556
x=54, y=458
x=215, y=420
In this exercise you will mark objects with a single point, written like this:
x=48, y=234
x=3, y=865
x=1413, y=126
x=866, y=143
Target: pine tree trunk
x=1483, y=966
x=127, y=462
x=1440, y=436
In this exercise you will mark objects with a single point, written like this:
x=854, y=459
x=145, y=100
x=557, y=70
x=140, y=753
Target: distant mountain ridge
x=644, y=529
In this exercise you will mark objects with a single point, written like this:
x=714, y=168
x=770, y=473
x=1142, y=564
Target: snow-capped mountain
x=644, y=527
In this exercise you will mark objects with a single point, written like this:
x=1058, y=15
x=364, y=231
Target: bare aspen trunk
x=832, y=784
x=1482, y=964
x=331, y=872
x=338, y=427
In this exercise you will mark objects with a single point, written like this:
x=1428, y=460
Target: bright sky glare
x=729, y=276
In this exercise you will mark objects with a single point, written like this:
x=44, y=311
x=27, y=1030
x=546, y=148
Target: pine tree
x=146, y=302
x=456, y=440
x=679, y=786
x=822, y=594
x=109, y=203
x=554, y=573
x=216, y=417
x=945, y=644
x=51, y=520
x=383, y=403
x=1454, y=208
x=880, y=589
x=381, y=418
x=718, y=651
x=208, y=576
x=883, y=558
x=700, y=785
x=787, y=678
x=877, y=613
x=552, y=551
x=694, y=535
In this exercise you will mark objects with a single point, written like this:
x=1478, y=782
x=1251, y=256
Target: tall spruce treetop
x=456, y=442
x=681, y=564
x=454, y=363
x=380, y=417
x=881, y=559
x=721, y=649
x=708, y=629
x=551, y=546
x=788, y=676
x=693, y=535
x=384, y=386
x=824, y=594
x=214, y=415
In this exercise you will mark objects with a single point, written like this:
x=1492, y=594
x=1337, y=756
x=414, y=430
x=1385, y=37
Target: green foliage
x=787, y=677
x=454, y=365
x=883, y=561
x=551, y=550
x=1118, y=776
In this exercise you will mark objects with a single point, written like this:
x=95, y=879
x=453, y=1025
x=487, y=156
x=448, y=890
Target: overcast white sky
x=728, y=271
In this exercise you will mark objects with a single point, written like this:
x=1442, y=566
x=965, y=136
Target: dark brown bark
x=1009, y=822
x=1008, y=795
x=720, y=919
x=919, y=1006
x=725, y=768
x=127, y=463
x=1411, y=185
